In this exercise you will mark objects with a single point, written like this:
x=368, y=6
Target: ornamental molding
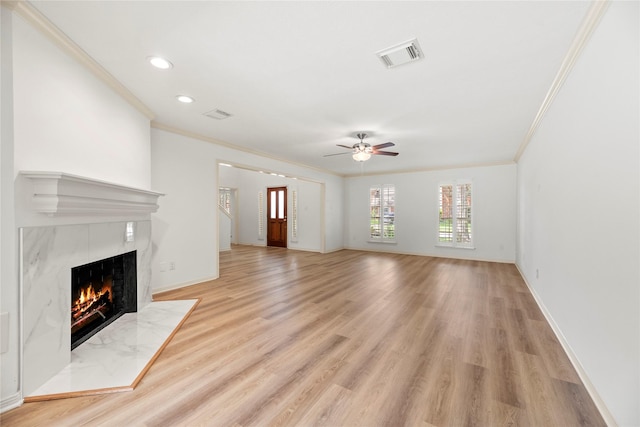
x=62, y=194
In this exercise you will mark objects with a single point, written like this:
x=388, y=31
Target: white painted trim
x=15, y=400
x=181, y=285
x=440, y=245
x=304, y=250
x=251, y=244
x=323, y=218
x=294, y=213
x=193, y=135
x=21, y=311
x=11, y=402
x=269, y=171
x=57, y=194
x=216, y=214
x=334, y=250
x=588, y=25
x=371, y=249
x=591, y=389
x=436, y=168
x=53, y=33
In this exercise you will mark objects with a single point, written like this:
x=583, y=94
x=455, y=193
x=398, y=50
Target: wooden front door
x=277, y=217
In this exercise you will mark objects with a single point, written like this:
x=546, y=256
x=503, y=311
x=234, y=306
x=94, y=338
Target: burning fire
x=90, y=300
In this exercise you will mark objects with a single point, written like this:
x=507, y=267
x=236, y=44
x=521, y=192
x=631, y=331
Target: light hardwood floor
x=289, y=338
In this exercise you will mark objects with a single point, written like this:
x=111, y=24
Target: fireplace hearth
x=101, y=292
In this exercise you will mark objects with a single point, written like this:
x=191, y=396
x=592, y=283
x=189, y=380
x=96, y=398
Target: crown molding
x=9, y=4
x=62, y=194
x=168, y=128
x=189, y=134
x=53, y=33
x=435, y=168
x=587, y=27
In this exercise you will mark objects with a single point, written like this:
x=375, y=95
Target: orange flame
x=88, y=295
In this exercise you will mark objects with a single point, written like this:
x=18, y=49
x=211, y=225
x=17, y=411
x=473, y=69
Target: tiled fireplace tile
x=48, y=254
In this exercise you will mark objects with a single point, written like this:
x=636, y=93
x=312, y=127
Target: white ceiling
x=300, y=77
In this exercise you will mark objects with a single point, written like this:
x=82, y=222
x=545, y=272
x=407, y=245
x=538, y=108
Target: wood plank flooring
x=289, y=338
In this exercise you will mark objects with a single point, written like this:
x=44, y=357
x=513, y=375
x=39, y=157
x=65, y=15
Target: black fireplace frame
x=123, y=269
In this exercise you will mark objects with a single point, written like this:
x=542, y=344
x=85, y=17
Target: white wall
x=334, y=228
x=9, y=361
x=56, y=116
x=185, y=227
x=224, y=230
x=416, y=214
x=579, y=216
x=67, y=120
x=310, y=213
x=249, y=183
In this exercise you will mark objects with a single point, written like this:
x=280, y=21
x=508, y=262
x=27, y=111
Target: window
x=455, y=220
x=382, y=208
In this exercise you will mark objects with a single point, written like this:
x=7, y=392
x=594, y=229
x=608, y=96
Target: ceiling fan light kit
x=361, y=151
x=361, y=156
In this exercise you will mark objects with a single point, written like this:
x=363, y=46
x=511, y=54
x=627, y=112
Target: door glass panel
x=281, y=204
x=272, y=213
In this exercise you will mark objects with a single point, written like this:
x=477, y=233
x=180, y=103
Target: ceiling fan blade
x=345, y=146
x=385, y=145
x=336, y=154
x=385, y=153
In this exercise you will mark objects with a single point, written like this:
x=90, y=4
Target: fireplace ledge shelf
x=60, y=194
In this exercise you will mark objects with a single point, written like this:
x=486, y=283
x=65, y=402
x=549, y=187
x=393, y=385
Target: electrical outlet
x=537, y=274
x=172, y=265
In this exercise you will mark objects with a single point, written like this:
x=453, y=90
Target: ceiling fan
x=363, y=151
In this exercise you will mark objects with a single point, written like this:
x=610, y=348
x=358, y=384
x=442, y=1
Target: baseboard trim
x=328, y=251
x=182, y=285
x=293, y=248
x=386, y=250
x=602, y=407
x=11, y=402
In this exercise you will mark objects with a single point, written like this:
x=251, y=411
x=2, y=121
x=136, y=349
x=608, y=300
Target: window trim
x=454, y=243
x=382, y=239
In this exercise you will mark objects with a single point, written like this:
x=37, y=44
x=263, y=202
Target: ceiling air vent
x=218, y=114
x=402, y=53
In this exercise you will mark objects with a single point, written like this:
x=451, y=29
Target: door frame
x=280, y=217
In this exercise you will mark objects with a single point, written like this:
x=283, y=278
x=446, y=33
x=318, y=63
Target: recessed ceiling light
x=159, y=62
x=184, y=98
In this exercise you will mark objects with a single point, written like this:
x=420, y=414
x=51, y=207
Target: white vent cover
x=218, y=114
x=402, y=53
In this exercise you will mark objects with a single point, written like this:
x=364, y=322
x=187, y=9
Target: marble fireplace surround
x=48, y=252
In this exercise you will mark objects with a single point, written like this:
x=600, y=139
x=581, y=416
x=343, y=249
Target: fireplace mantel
x=62, y=194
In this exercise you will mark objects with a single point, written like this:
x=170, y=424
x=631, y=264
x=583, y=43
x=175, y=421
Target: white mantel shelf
x=62, y=194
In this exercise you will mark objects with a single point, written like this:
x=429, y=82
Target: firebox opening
x=101, y=292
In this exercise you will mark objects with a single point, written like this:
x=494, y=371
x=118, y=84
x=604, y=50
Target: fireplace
x=101, y=292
